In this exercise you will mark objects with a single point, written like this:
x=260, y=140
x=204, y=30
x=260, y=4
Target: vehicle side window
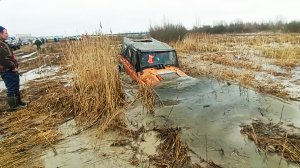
x=123, y=52
x=133, y=58
x=138, y=63
x=127, y=54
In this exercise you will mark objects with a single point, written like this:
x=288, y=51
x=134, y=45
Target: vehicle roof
x=146, y=44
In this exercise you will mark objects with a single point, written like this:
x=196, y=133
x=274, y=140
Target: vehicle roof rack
x=147, y=44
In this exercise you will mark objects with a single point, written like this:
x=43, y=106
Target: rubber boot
x=12, y=102
x=20, y=102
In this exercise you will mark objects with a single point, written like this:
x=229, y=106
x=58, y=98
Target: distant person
x=56, y=39
x=43, y=40
x=9, y=73
x=38, y=44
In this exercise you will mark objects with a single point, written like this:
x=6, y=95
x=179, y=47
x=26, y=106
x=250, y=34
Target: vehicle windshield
x=151, y=59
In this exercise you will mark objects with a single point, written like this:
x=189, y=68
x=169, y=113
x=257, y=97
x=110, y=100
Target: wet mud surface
x=208, y=112
x=216, y=110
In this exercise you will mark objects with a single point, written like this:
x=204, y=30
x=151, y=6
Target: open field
x=84, y=113
x=268, y=63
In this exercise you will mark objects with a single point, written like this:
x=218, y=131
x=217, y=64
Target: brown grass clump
x=27, y=49
x=286, y=63
x=223, y=74
x=244, y=78
x=172, y=151
x=230, y=61
x=286, y=57
x=148, y=97
x=198, y=43
x=26, y=132
x=273, y=138
x=272, y=89
x=97, y=91
x=262, y=39
x=292, y=38
x=53, y=48
x=281, y=53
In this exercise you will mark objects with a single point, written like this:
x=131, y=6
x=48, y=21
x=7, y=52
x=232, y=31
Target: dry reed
x=197, y=43
x=230, y=60
x=95, y=98
x=28, y=131
x=272, y=137
x=173, y=152
x=97, y=91
x=148, y=97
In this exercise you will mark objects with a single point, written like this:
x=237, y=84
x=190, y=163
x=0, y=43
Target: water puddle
x=84, y=149
x=35, y=74
x=149, y=143
x=217, y=110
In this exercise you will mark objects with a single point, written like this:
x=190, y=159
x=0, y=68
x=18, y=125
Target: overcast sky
x=70, y=17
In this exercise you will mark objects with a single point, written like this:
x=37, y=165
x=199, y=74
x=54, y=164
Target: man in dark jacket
x=38, y=44
x=9, y=72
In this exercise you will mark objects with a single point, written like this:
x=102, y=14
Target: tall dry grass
x=198, y=43
x=286, y=57
x=27, y=132
x=282, y=49
x=229, y=60
x=148, y=97
x=96, y=98
x=97, y=91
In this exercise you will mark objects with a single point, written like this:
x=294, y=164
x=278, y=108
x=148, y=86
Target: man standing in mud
x=9, y=73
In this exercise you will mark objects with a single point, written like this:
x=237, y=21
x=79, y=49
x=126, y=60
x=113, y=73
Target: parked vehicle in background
x=25, y=42
x=57, y=39
x=74, y=38
x=14, y=43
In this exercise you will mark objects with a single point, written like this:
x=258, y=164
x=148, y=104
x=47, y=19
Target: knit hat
x=1, y=29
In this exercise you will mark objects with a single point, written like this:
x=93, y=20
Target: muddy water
x=84, y=149
x=206, y=107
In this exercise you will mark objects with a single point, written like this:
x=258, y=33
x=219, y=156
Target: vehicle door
x=133, y=63
x=126, y=60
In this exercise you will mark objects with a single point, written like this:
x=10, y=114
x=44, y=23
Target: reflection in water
x=217, y=110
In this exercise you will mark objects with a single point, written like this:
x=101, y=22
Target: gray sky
x=69, y=17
